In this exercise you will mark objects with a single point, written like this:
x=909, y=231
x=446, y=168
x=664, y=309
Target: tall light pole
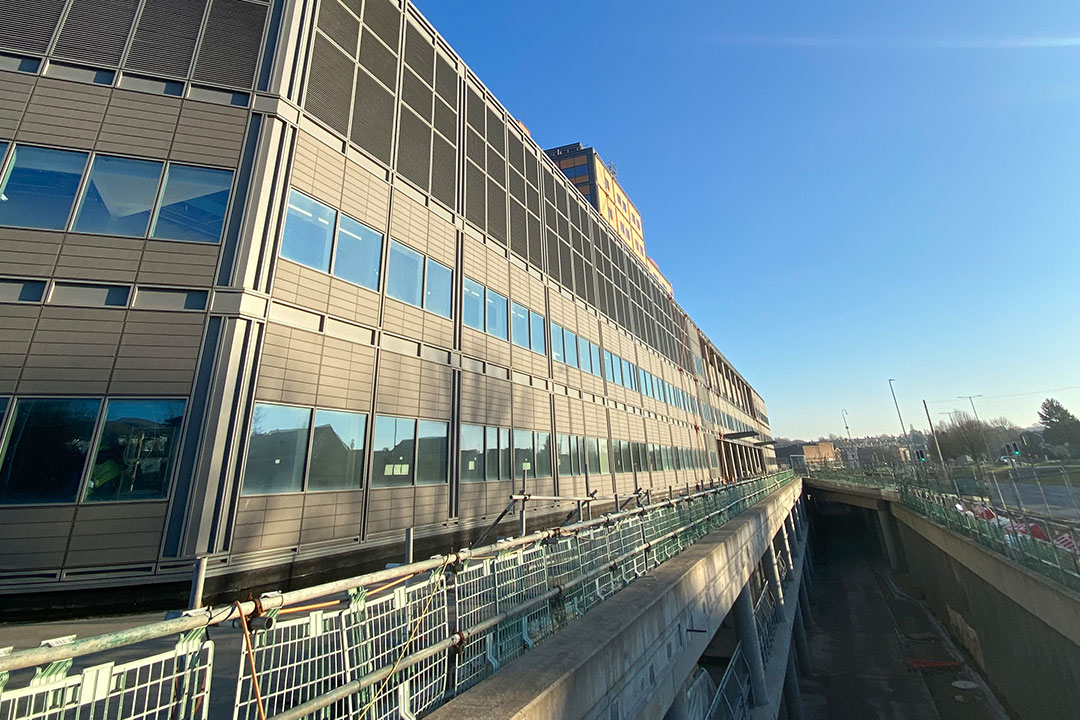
x=903, y=428
x=971, y=399
x=851, y=443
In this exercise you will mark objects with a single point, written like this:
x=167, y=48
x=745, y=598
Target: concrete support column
x=888, y=534
x=802, y=647
x=772, y=574
x=788, y=546
x=804, y=603
x=792, y=696
x=746, y=627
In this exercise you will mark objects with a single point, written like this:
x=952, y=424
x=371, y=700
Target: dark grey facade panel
x=373, y=117
x=380, y=61
x=165, y=37
x=29, y=26
x=384, y=18
x=231, y=43
x=339, y=25
x=329, y=92
x=96, y=31
x=414, y=149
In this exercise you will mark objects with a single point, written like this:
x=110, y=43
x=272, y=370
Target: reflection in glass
x=616, y=456
x=337, y=451
x=542, y=442
x=570, y=348
x=472, y=453
x=592, y=455
x=118, y=197
x=392, y=453
x=438, y=289
x=563, y=447
x=583, y=354
x=536, y=333
x=523, y=454
x=575, y=455
x=505, y=455
x=136, y=451
x=519, y=325
x=44, y=451
x=38, y=188
x=605, y=463
x=405, y=274
x=309, y=232
x=432, y=463
x=496, y=314
x=277, y=449
x=358, y=253
x=594, y=355
x=473, y=305
x=556, y=342
x=491, y=455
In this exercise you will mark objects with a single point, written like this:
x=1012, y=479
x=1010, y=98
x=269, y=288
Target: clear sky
x=841, y=192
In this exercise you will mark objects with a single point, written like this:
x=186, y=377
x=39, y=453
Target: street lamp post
x=851, y=443
x=903, y=428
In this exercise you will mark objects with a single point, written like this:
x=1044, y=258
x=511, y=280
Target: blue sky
x=841, y=192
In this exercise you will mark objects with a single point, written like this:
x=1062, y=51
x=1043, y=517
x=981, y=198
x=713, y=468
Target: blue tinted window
x=473, y=304
x=519, y=325
x=438, y=288
x=627, y=375
x=38, y=188
x=358, y=253
x=337, y=450
x=608, y=365
x=594, y=354
x=536, y=333
x=193, y=204
x=118, y=197
x=3, y=149
x=405, y=274
x=277, y=449
x=584, y=358
x=496, y=314
x=616, y=368
x=309, y=232
x=556, y=342
x=570, y=347
x=392, y=452
x=136, y=451
x=44, y=452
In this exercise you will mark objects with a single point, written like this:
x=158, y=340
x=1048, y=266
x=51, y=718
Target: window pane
x=608, y=366
x=431, y=458
x=592, y=456
x=496, y=314
x=3, y=149
x=44, y=451
x=627, y=375
x=605, y=462
x=193, y=204
x=439, y=288
x=405, y=275
x=536, y=333
x=22, y=290
x=473, y=305
x=616, y=369
x=277, y=449
x=627, y=466
x=583, y=354
x=564, y=464
x=38, y=188
x=392, y=452
x=519, y=325
x=505, y=455
x=556, y=342
x=136, y=450
x=89, y=295
x=542, y=443
x=118, y=197
x=337, y=451
x=472, y=453
x=594, y=354
x=570, y=348
x=309, y=232
x=491, y=437
x=575, y=455
x=358, y=253
x=523, y=454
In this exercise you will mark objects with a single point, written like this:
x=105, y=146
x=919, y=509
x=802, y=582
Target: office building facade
x=279, y=280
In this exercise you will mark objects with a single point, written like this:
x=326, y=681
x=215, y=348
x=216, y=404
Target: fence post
x=198, y=581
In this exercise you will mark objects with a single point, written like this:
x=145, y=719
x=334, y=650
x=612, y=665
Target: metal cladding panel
x=339, y=25
x=519, y=241
x=446, y=81
x=446, y=120
x=165, y=37
x=443, y=171
x=373, y=117
x=375, y=57
x=96, y=31
x=414, y=149
x=496, y=211
x=419, y=53
x=330, y=85
x=475, y=203
x=231, y=43
x=416, y=95
x=536, y=242
x=384, y=18
x=29, y=26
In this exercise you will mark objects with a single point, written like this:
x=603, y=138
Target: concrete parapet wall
x=629, y=656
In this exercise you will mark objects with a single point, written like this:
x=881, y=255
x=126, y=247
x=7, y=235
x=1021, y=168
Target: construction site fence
x=391, y=644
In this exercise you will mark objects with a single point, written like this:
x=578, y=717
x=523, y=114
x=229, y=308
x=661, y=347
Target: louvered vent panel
x=443, y=171
x=384, y=18
x=575, y=240
x=95, y=31
x=563, y=228
x=515, y=153
x=536, y=242
x=381, y=62
x=532, y=169
x=553, y=256
x=475, y=148
x=416, y=95
x=414, y=149
x=419, y=53
x=496, y=131
x=29, y=26
x=373, y=117
x=329, y=85
x=475, y=202
x=165, y=37
x=339, y=25
x=566, y=266
x=496, y=211
x=474, y=110
x=446, y=120
x=533, y=199
x=230, y=44
x=496, y=167
x=519, y=241
x=517, y=186
x=446, y=81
